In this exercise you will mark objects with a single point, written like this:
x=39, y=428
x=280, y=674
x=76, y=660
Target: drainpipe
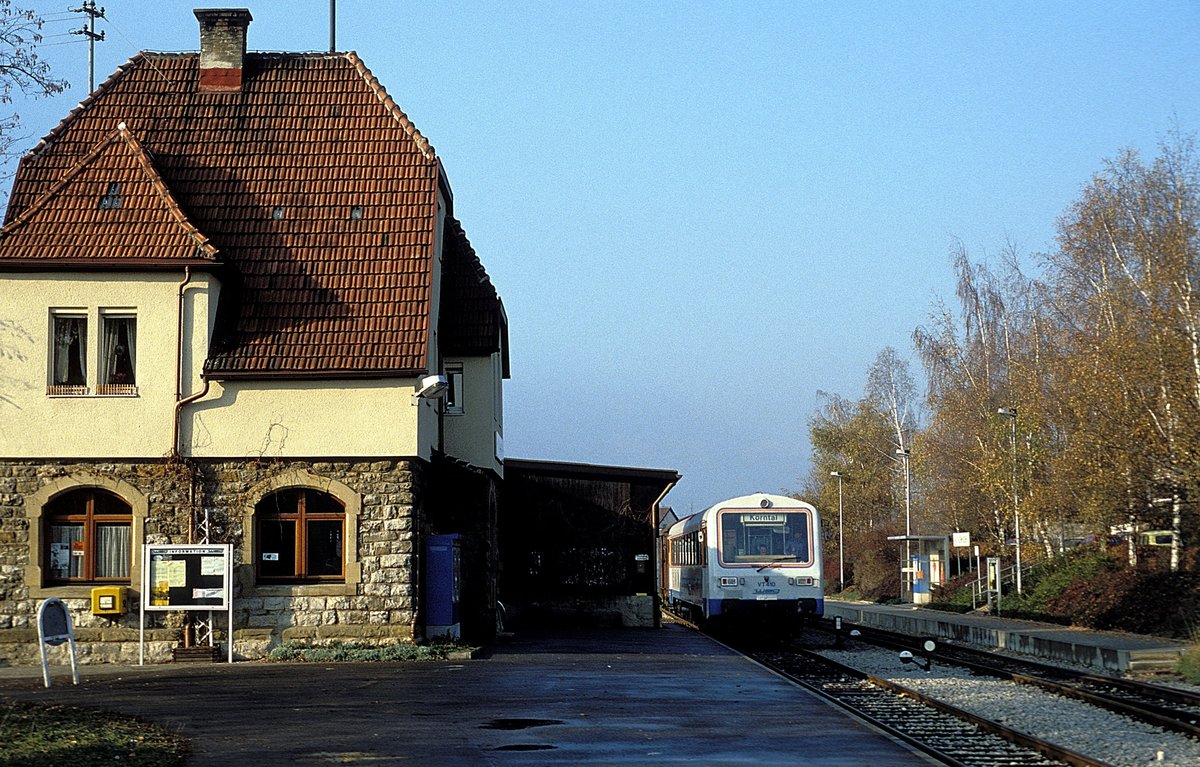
x=180, y=400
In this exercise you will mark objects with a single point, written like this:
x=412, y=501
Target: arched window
x=88, y=538
x=299, y=536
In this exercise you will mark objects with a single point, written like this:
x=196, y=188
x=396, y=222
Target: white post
x=841, y=538
x=906, y=574
x=1011, y=412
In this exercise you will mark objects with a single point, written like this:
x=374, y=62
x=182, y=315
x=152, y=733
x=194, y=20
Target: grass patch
x=352, y=652
x=35, y=735
x=1189, y=663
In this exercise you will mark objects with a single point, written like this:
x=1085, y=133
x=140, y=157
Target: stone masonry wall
x=377, y=603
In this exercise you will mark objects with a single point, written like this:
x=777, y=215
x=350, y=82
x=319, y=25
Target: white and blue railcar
x=756, y=555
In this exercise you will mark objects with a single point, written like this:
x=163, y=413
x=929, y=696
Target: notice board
x=187, y=576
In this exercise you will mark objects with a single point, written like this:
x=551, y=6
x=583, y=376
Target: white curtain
x=120, y=336
x=108, y=351
x=131, y=344
x=112, y=551
x=70, y=335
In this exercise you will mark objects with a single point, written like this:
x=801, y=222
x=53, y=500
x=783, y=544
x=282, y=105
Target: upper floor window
x=69, y=354
x=118, y=355
x=299, y=536
x=88, y=536
x=454, y=389
x=79, y=360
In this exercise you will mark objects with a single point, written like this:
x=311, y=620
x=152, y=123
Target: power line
x=56, y=45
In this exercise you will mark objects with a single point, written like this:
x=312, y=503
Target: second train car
x=752, y=557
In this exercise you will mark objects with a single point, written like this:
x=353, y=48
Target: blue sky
x=701, y=213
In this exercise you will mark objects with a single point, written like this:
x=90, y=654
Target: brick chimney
x=222, y=47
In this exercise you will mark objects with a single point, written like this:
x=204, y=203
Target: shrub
x=1159, y=603
x=360, y=653
x=875, y=570
x=1189, y=663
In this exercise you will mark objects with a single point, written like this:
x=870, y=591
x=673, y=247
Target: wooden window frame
x=299, y=517
x=107, y=368
x=90, y=520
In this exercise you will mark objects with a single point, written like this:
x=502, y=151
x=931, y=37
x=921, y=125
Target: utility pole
x=89, y=7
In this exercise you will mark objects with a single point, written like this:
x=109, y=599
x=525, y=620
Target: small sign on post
x=54, y=628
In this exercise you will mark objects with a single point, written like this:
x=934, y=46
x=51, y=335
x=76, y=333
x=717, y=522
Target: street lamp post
x=1011, y=413
x=905, y=454
x=841, y=539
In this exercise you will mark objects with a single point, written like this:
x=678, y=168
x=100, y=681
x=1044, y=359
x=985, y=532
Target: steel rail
x=1023, y=740
x=1039, y=675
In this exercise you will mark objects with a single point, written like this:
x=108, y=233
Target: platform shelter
x=923, y=561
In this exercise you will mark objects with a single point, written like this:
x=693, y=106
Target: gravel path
x=1120, y=741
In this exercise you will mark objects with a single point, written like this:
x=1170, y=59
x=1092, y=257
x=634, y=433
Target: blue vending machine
x=443, y=585
x=920, y=568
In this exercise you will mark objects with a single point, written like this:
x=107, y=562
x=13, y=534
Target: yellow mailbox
x=109, y=600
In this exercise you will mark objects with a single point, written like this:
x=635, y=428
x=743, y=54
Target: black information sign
x=186, y=577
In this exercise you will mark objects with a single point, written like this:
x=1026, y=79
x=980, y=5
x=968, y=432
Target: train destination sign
x=763, y=519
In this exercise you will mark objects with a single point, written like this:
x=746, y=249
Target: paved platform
x=1102, y=650
x=666, y=696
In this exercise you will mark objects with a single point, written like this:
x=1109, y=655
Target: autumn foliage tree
x=1099, y=356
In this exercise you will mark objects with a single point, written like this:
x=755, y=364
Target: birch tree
x=22, y=71
x=1129, y=266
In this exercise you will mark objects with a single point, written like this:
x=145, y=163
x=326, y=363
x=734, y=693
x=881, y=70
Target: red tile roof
x=315, y=188
x=114, y=188
x=476, y=323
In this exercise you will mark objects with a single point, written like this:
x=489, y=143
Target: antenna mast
x=332, y=26
x=89, y=7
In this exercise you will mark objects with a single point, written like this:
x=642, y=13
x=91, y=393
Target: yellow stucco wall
x=34, y=424
x=234, y=419
x=275, y=419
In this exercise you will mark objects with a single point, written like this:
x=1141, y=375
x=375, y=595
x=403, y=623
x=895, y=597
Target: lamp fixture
x=431, y=388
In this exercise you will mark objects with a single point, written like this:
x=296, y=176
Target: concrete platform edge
x=1105, y=652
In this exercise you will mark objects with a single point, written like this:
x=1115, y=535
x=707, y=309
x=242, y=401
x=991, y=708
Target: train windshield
x=756, y=537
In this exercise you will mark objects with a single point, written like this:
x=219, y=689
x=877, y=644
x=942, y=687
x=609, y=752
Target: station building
x=238, y=306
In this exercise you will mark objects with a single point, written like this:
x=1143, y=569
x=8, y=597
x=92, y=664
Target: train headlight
x=728, y=581
x=791, y=581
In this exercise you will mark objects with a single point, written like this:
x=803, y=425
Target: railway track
x=948, y=734
x=1170, y=708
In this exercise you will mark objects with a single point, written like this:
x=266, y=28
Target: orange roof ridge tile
x=203, y=244
x=390, y=104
